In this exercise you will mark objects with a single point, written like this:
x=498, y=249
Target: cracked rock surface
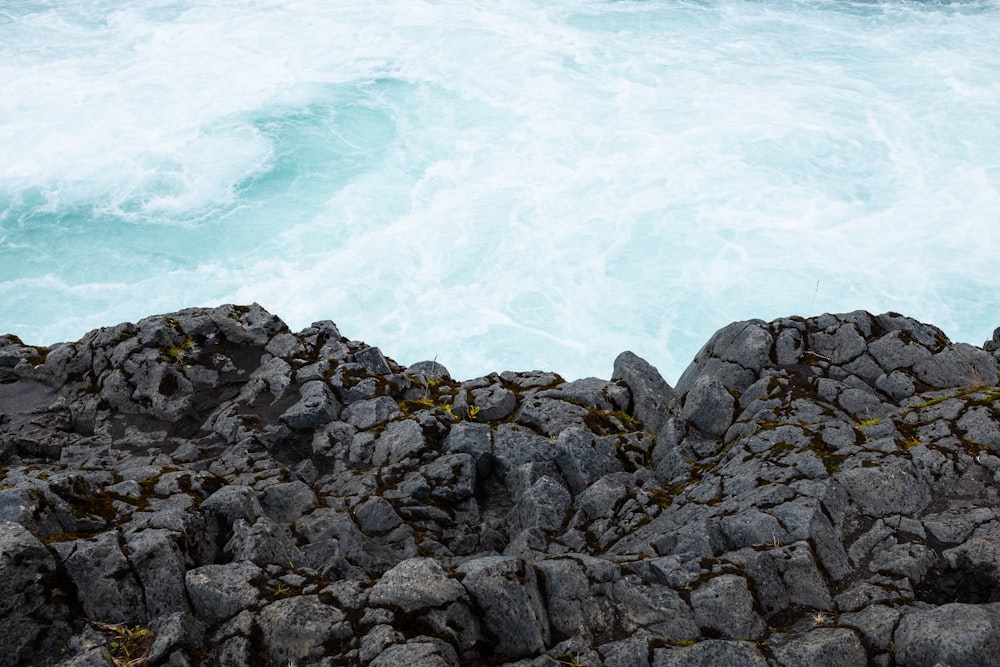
x=209, y=488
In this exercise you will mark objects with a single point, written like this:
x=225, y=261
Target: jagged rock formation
x=209, y=488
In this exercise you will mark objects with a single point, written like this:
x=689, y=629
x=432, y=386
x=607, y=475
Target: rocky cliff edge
x=210, y=488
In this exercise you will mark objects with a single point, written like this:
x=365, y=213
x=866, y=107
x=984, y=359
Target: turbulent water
x=506, y=185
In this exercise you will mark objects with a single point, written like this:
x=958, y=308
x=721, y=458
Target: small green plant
x=129, y=646
x=176, y=353
x=868, y=423
x=473, y=411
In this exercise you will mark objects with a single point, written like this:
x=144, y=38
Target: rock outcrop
x=210, y=488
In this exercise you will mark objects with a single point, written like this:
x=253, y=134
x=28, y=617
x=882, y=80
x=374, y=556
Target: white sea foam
x=526, y=185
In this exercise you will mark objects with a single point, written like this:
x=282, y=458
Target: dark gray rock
x=316, y=406
x=288, y=501
x=579, y=594
x=709, y=654
x=418, y=652
x=584, y=458
x=958, y=365
x=176, y=631
x=725, y=605
x=218, y=592
x=365, y=414
x=543, y=505
x=264, y=543
x=399, y=440
x=550, y=416
x=452, y=477
x=29, y=617
x=104, y=579
x=416, y=584
x=373, y=360
x=376, y=515
x=825, y=647
x=893, y=488
x=494, y=402
x=234, y=502
x=645, y=608
x=513, y=614
x=709, y=406
x=653, y=400
x=302, y=627
x=158, y=560
x=515, y=445
x=952, y=634
x=829, y=490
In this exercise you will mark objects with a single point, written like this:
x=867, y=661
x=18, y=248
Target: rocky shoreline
x=209, y=488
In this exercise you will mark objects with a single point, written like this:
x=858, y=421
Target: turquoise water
x=511, y=185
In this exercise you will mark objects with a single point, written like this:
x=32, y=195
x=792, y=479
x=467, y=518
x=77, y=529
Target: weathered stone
x=365, y=414
x=543, y=505
x=892, y=488
x=653, y=400
x=29, y=618
x=840, y=453
x=105, y=581
x=288, y=501
x=649, y=608
x=399, y=440
x=158, y=560
x=265, y=542
x=709, y=654
x=514, y=445
x=577, y=607
x=952, y=634
x=376, y=515
x=823, y=647
x=218, y=592
x=550, y=416
x=494, y=402
x=725, y=605
x=373, y=360
x=451, y=477
x=958, y=365
x=415, y=584
x=316, y=406
x=301, y=627
x=234, y=502
x=513, y=614
x=179, y=630
x=583, y=458
x=709, y=406
x=418, y=652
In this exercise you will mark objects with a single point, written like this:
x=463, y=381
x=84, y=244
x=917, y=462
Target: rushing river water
x=506, y=185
